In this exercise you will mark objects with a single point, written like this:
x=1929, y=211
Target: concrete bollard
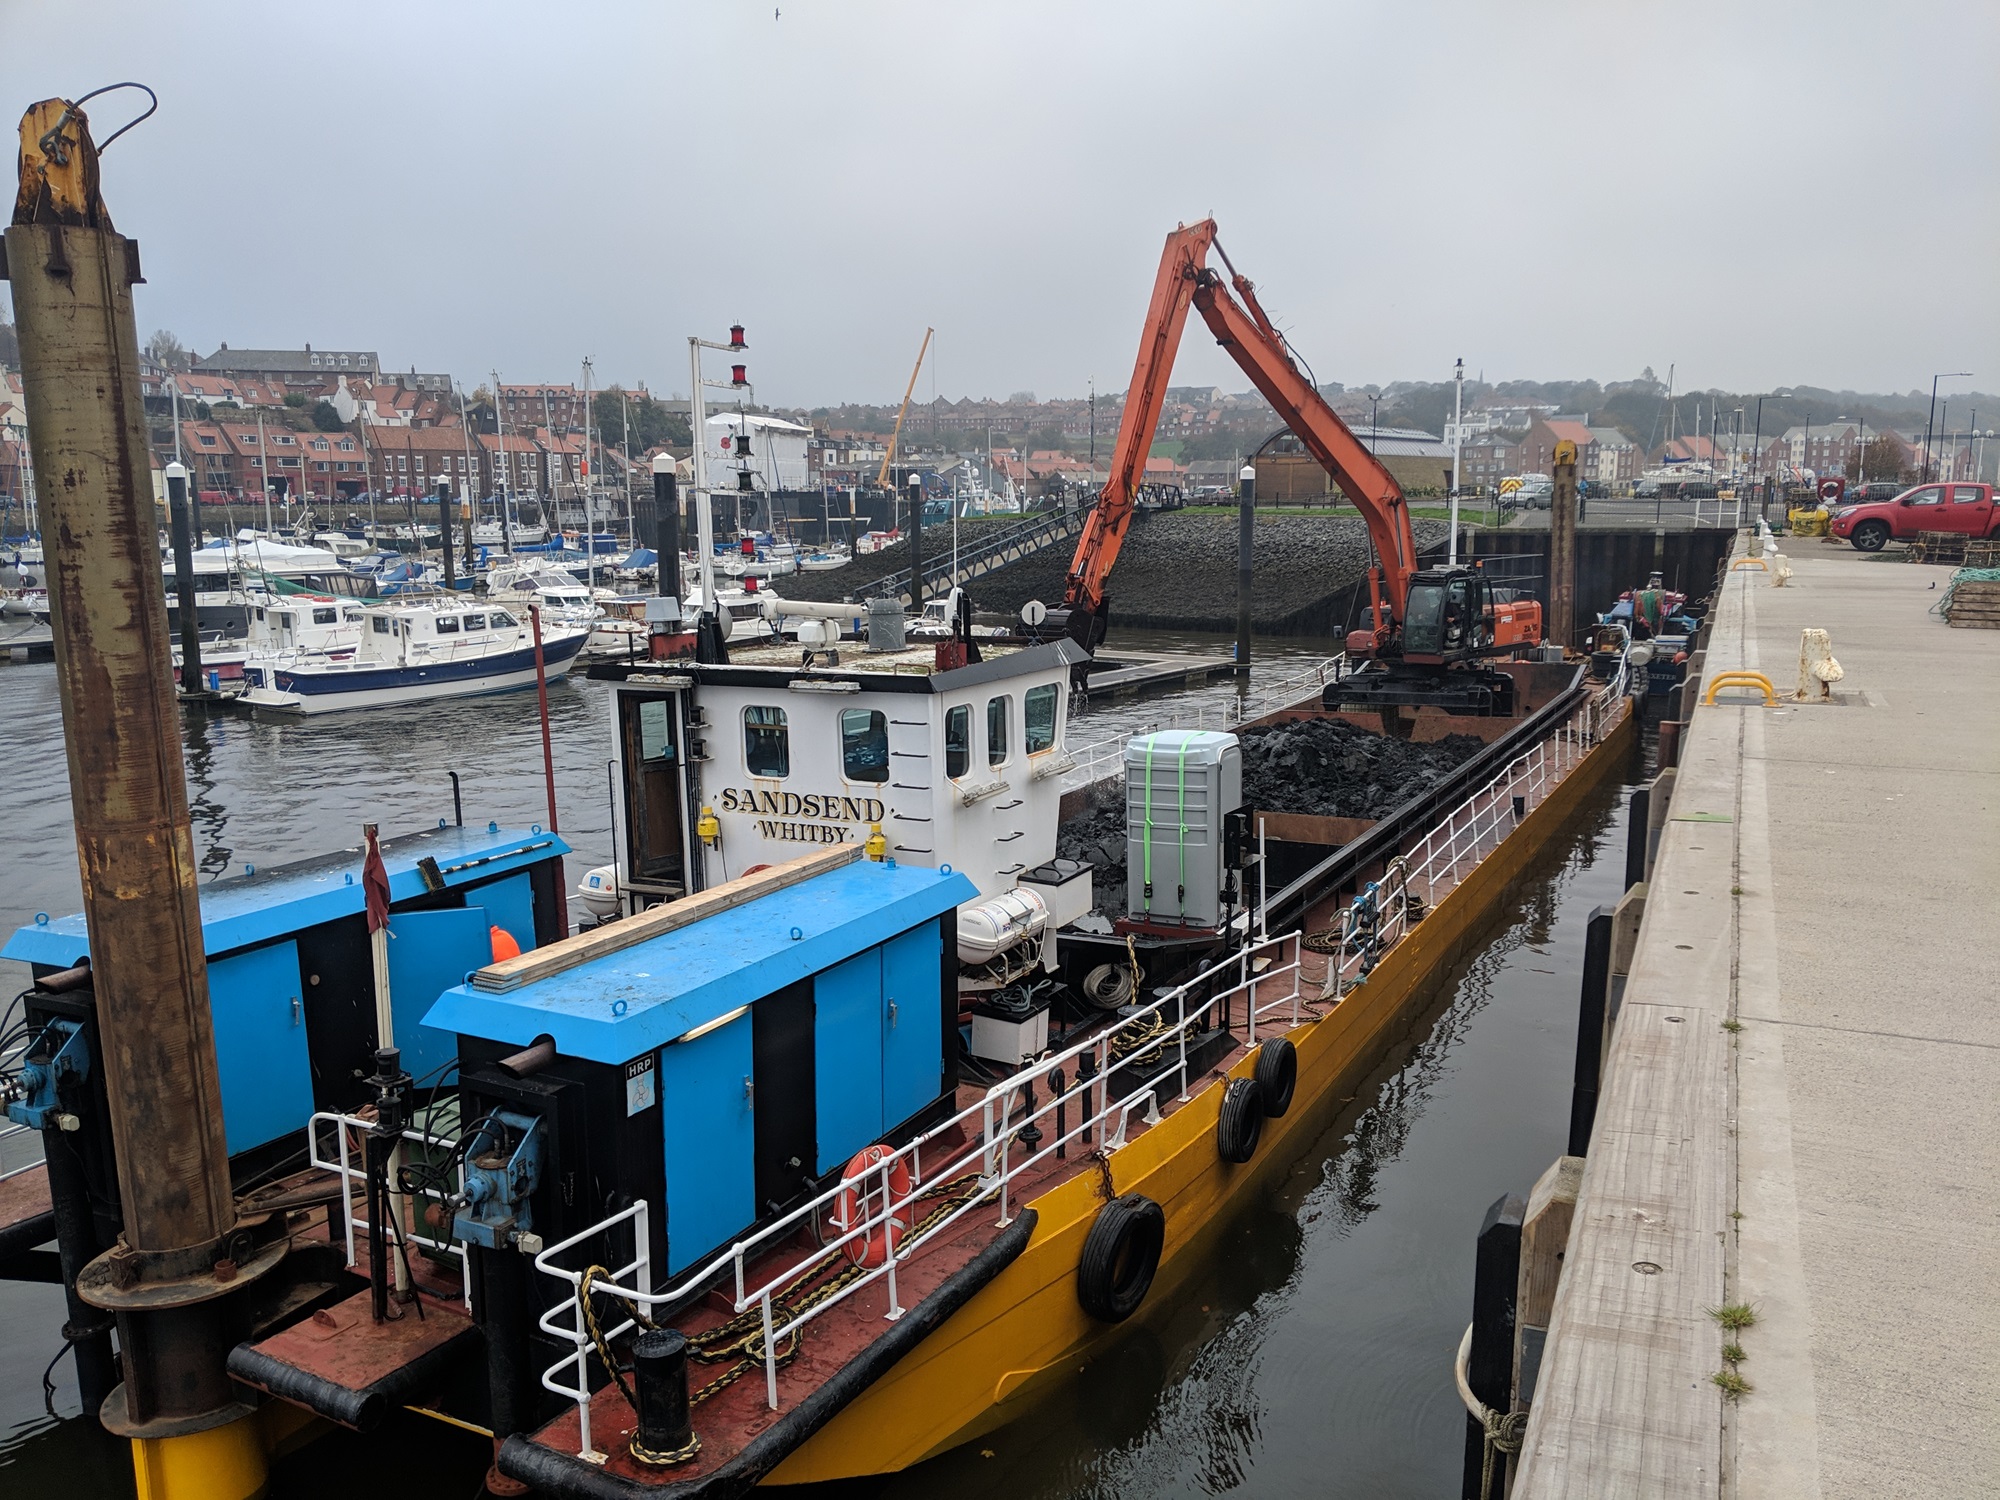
x=1818, y=671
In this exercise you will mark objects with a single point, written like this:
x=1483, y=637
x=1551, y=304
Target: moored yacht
x=413, y=651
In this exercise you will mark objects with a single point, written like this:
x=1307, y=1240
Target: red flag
x=375, y=884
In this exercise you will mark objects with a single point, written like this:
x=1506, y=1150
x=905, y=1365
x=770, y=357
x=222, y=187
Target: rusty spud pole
x=182, y=1250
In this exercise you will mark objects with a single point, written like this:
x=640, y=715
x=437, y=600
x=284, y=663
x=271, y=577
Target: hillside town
x=333, y=426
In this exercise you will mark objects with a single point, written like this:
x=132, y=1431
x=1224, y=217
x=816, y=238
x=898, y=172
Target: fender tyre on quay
x=1241, y=1121
x=1277, y=1075
x=1870, y=536
x=1120, y=1256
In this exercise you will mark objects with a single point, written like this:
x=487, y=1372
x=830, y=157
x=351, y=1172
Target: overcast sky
x=1758, y=193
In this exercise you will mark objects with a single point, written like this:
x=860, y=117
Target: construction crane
x=889, y=458
x=1421, y=619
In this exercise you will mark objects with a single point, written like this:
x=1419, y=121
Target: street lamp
x=1373, y=403
x=1457, y=442
x=1930, y=420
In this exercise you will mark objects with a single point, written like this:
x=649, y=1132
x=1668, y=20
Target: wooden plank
x=582, y=947
x=1309, y=828
x=1623, y=1402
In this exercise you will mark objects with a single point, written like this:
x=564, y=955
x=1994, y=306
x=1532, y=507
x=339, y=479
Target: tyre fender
x=1277, y=1074
x=1120, y=1256
x=1241, y=1120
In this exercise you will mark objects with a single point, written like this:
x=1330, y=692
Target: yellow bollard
x=1740, y=679
x=222, y=1463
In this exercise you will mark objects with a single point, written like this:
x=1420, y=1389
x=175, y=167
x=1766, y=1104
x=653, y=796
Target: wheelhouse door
x=649, y=727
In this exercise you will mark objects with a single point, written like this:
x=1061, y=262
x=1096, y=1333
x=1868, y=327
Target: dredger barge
x=797, y=1165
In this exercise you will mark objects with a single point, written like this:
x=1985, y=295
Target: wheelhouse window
x=996, y=730
x=446, y=625
x=864, y=744
x=500, y=619
x=325, y=616
x=1038, y=718
x=656, y=733
x=767, y=742
x=475, y=622
x=379, y=624
x=958, y=740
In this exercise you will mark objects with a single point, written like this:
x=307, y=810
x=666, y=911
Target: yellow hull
x=1024, y=1331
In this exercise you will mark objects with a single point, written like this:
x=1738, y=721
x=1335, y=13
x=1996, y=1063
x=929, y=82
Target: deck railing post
x=770, y=1356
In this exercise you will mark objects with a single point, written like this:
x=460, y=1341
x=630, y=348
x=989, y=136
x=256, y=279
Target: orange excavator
x=1426, y=626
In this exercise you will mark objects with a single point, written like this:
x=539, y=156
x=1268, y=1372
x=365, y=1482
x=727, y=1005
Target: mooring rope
x=1502, y=1432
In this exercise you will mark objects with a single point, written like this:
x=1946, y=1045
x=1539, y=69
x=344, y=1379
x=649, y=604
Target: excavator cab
x=1452, y=615
x=1447, y=616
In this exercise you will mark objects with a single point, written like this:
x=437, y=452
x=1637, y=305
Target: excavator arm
x=1255, y=344
x=1104, y=530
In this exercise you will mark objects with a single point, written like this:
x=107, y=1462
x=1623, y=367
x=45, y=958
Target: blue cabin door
x=706, y=1104
x=912, y=1024
x=431, y=952
x=847, y=1056
x=260, y=1044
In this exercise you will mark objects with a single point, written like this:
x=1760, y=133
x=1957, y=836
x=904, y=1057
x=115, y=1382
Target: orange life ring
x=859, y=1182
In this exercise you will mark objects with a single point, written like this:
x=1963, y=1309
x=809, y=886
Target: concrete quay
x=1801, y=1108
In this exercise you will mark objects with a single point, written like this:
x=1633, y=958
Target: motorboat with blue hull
x=411, y=652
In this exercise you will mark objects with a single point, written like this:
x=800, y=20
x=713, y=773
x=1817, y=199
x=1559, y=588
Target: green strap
x=1183, y=821
x=1147, y=895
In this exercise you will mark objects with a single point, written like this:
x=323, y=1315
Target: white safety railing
x=8, y=1128
x=1126, y=1069
x=1380, y=916
x=1102, y=758
x=639, y=1268
x=351, y=1132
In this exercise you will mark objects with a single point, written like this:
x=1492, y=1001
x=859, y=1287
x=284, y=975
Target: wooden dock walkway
x=1155, y=671
x=26, y=643
x=1797, y=1116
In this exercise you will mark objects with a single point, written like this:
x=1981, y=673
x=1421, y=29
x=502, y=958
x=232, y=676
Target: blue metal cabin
x=290, y=977
x=723, y=1069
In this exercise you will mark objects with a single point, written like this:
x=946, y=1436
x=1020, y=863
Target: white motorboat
x=520, y=533
x=557, y=593
x=27, y=603
x=620, y=627
x=415, y=651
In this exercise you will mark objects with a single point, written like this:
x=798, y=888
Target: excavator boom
x=1254, y=342
x=1258, y=348
x=1104, y=530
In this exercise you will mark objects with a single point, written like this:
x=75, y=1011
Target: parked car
x=1874, y=490
x=1964, y=508
x=1537, y=492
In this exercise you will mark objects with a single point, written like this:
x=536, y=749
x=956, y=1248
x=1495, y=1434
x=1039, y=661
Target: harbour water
x=1311, y=1358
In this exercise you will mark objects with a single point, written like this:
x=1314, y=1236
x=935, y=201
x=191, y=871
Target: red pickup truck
x=1965, y=508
